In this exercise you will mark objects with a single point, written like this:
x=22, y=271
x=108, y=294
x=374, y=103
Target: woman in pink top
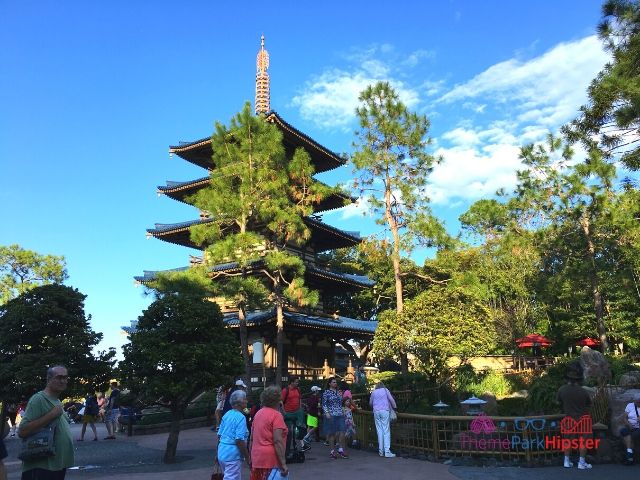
x=382, y=402
x=268, y=437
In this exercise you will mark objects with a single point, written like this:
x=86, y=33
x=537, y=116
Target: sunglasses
x=61, y=377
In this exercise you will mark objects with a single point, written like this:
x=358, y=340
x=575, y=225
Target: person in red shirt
x=268, y=437
x=293, y=412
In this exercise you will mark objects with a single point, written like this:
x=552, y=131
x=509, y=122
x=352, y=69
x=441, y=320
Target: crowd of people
x=285, y=422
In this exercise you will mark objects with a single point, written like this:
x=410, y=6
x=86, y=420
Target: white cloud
x=546, y=89
x=531, y=98
x=330, y=100
x=416, y=57
x=359, y=208
x=462, y=136
x=470, y=174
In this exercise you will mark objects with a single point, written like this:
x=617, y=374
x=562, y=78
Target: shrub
x=543, y=390
x=512, y=406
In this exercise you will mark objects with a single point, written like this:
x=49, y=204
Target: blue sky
x=93, y=93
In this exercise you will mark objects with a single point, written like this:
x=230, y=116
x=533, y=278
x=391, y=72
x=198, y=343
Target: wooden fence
x=530, y=440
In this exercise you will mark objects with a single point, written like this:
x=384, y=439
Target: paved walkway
x=139, y=458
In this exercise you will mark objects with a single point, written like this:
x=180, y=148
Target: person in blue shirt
x=232, y=438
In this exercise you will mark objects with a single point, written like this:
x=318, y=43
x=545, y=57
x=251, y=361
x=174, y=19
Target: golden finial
x=262, y=80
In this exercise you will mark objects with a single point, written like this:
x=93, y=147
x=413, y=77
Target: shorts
x=312, y=421
x=113, y=415
x=333, y=425
x=88, y=418
x=634, y=432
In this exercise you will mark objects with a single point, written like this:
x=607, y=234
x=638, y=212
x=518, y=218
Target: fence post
x=435, y=438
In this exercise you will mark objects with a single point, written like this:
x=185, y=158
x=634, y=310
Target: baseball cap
x=240, y=383
x=315, y=388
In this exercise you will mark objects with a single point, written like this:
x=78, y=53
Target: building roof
x=181, y=190
x=314, y=275
x=355, y=327
x=200, y=152
x=323, y=237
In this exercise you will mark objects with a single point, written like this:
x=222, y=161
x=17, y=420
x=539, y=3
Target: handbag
x=39, y=445
x=393, y=416
x=217, y=472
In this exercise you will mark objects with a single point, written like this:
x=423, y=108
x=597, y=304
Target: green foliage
x=437, y=324
x=392, y=161
x=512, y=406
x=21, y=270
x=467, y=381
x=620, y=365
x=542, y=393
x=373, y=259
x=43, y=327
x=180, y=348
x=611, y=119
x=396, y=381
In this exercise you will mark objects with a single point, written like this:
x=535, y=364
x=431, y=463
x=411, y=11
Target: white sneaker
x=389, y=455
x=568, y=463
x=381, y=454
x=584, y=466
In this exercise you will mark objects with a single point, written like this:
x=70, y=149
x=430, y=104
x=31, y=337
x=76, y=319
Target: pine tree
x=393, y=165
x=256, y=203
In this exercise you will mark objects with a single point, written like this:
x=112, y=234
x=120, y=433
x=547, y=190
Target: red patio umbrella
x=533, y=340
x=588, y=342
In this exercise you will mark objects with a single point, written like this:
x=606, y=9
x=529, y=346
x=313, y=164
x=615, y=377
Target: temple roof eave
x=314, y=274
x=324, y=236
x=199, y=152
x=181, y=190
x=359, y=328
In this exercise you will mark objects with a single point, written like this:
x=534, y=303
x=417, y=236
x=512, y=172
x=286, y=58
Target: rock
x=630, y=379
x=595, y=365
x=491, y=407
x=619, y=400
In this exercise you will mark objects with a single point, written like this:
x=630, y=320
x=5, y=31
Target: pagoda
x=311, y=335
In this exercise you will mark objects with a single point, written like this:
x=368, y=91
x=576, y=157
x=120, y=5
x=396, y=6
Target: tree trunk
x=244, y=345
x=174, y=432
x=280, y=360
x=598, y=305
x=395, y=258
x=364, y=352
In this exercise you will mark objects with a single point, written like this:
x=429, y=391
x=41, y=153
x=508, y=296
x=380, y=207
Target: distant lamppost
x=474, y=405
x=440, y=407
x=570, y=349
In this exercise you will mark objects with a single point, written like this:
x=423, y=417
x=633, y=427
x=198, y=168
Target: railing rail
x=530, y=439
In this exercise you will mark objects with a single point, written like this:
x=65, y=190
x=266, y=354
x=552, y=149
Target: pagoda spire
x=262, y=80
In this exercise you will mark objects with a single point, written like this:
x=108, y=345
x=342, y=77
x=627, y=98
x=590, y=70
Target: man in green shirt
x=43, y=409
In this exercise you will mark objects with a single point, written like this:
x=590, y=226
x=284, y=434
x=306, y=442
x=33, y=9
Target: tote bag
x=39, y=445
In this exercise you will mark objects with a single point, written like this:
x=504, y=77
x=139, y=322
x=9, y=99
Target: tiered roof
x=323, y=237
x=200, y=152
x=181, y=190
